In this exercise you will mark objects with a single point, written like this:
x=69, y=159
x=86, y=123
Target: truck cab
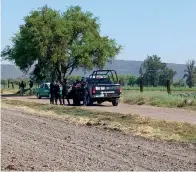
x=103, y=86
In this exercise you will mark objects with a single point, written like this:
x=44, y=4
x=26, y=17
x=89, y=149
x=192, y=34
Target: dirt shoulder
x=31, y=142
x=159, y=113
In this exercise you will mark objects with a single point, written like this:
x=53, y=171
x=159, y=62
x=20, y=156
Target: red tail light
x=120, y=89
x=93, y=90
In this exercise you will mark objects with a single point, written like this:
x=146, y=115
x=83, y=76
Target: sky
x=166, y=28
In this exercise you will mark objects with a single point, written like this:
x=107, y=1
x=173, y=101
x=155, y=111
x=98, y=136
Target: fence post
x=141, y=85
x=168, y=86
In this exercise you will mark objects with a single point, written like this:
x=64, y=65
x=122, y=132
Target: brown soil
x=31, y=142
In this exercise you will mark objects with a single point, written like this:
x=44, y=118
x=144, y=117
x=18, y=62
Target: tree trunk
x=168, y=86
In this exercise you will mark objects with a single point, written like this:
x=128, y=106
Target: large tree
x=59, y=42
x=190, y=73
x=155, y=72
x=166, y=74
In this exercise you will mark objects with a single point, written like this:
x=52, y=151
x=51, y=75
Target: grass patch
x=136, y=88
x=159, y=99
x=27, y=91
x=147, y=127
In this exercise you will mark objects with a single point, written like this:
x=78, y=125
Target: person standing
x=84, y=92
x=22, y=86
x=30, y=84
x=52, y=92
x=64, y=91
x=57, y=93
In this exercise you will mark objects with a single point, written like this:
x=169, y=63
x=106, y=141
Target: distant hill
x=121, y=66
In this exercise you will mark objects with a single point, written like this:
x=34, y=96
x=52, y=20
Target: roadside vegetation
x=160, y=88
x=180, y=97
x=142, y=126
x=161, y=99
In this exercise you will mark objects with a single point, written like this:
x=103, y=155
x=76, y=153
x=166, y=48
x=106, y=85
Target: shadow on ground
x=32, y=97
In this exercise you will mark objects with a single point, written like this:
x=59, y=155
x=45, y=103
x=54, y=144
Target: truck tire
x=38, y=96
x=99, y=102
x=115, y=102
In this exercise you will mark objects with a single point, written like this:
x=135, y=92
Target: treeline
x=124, y=80
x=153, y=73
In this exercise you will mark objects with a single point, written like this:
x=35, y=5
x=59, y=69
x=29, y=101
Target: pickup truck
x=44, y=90
x=103, y=86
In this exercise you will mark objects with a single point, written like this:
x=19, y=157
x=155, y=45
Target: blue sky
x=144, y=27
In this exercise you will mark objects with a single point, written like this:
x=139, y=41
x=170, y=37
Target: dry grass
x=146, y=127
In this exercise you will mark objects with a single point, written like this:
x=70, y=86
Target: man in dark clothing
x=30, y=84
x=22, y=86
x=84, y=91
x=52, y=92
x=57, y=93
x=64, y=91
x=75, y=92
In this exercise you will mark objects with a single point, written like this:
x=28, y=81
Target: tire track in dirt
x=85, y=148
x=112, y=150
x=73, y=147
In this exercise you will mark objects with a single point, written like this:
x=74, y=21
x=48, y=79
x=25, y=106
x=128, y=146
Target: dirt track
x=30, y=142
x=149, y=111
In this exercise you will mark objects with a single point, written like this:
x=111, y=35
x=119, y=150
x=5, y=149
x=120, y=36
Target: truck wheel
x=115, y=102
x=38, y=96
x=99, y=102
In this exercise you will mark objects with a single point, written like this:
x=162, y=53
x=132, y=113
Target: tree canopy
x=155, y=72
x=190, y=73
x=59, y=42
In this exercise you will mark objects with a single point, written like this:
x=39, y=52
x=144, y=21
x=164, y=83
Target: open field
x=181, y=97
x=184, y=89
x=34, y=141
x=186, y=100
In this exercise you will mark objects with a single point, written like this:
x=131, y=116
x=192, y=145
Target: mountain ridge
x=121, y=66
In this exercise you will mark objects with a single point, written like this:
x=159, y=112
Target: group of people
x=79, y=88
x=55, y=92
x=22, y=86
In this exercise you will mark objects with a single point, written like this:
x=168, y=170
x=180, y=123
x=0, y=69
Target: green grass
x=158, y=98
x=160, y=88
x=146, y=127
x=5, y=89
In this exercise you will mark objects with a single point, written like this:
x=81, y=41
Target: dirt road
x=149, y=111
x=30, y=142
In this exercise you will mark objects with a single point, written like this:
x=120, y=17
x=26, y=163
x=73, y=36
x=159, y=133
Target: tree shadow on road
x=32, y=97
